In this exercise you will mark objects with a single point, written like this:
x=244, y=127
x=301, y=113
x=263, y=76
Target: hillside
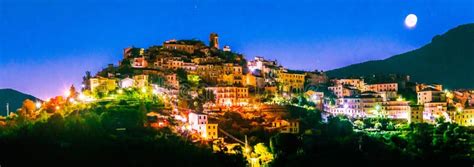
x=448, y=59
x=13, y=98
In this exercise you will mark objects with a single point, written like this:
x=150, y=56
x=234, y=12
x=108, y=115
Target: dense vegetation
x=114, y=133
x=336, y=141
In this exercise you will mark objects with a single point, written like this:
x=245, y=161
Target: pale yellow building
x=101, y=83
x=140, y=80
x=464, y=117
x=291, y=82
x=211, y=131
x=230, y=95
x=285, y=126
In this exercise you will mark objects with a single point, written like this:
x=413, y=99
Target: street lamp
x=38, y=105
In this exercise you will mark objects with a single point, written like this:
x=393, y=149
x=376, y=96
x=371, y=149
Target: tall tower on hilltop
x=214, y=40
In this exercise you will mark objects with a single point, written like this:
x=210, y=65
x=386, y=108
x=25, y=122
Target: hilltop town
x=209, y=94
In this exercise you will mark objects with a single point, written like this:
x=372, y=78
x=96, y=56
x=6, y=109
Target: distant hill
x=448, y=60
x=13, y=98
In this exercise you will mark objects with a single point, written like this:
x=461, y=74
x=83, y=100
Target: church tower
x=214, y=41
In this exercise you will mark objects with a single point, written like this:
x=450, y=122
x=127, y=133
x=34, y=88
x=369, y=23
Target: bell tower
x=214, y=40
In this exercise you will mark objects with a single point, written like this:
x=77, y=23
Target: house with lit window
x=102, y=83
x=416, y=114
x=433, y=110
x=430, y=95
x=227, y=96
x=291, y=81
x=211, y=131
x=140, y=80
x=199, y=123
x=127, y=82
x=286, y=126
x=463, y=117
x=356, y=83
x=187, y=46
x=139, y=62
x=382, y=87
x=396, y=109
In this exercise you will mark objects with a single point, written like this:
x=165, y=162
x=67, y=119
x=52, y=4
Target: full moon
x=410, y=20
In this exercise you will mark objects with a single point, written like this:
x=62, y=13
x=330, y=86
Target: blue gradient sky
x=47, y=45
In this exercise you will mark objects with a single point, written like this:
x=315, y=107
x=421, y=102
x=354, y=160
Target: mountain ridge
x=14, y=99
x=446, y=60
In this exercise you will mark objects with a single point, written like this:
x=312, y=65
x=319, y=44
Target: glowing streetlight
x=377, y=107
x=38, y=105
x=399, y=98
x=67, y=93
x=82, y=97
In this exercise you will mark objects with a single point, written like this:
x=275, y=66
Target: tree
x=378, y=125
x=27, y=110
x=359, y=124
x=263, y=153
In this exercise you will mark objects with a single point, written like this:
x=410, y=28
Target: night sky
x=47, y=46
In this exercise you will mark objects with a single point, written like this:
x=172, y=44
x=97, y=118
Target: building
x=291, y=81
x=266, y=68
x=357, y=83
x=285, y=126
x=316, y=78
x=340, y=90
x=226, y=48
x=102, y=84
x=433, y=110
x=127, y=82
x=422, y=86
x=211, y=131
x=316, y=97
x=197, y=121
x=230, y=96
x=214, y=40
x=230, y=79
x=371, y=104
x=350, y=106
x=132, y=52
x=209, y=72
x=174, y=64
x=172, y=80
x=185, y=46
x=398, y=109
x=189, y=66
x=416, y=114
x=139, y=62
x=140, y=80
x=430, y=95
x=464, y=117
x=382, y=87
